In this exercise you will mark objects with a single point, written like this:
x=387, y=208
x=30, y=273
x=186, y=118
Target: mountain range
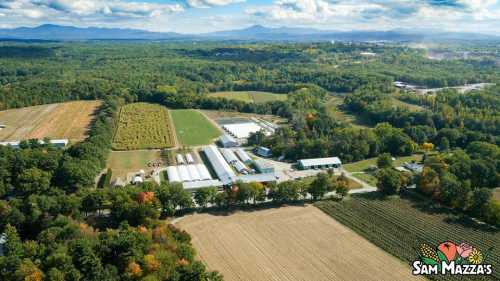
x=253, y=33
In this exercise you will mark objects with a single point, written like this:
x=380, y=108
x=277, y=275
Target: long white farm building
x=220, y=166
x=319, y=163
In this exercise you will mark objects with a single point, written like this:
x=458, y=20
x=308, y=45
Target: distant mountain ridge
x=71, y=33
x=253, y=33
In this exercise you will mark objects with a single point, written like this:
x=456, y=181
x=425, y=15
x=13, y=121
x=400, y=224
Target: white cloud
x=109, y=7
x=210, y=3
x=382, y=14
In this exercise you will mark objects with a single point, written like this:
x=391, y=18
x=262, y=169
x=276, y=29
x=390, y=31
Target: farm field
x=123, y=162
x=289, y=243
x=193, y=128
x=70, y=120
x=399, y=226
x=143, y=126
x=250, y=96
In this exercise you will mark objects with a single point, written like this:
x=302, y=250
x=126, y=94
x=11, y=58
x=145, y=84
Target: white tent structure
x=184, y=173
x=173, y=174
x=193, y=173
x=189, y=158
x=242, y=130
x=180, y=159
x=203, y=171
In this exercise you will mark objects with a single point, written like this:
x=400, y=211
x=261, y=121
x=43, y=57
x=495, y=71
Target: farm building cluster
x=228, y=166
x=238, y=131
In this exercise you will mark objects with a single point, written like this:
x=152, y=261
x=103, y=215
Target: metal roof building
x=243, y=156
x=220, y=166
x=240, y=167
x=264, y=151
x=201, y=184
x=180, y=159
x=269, y=177
x=263, y=167
x=183, y=173
x=229, y=155
x=189, y=158
x=228, y=141
x=56, y=143
x=193, y=173
x=203, y=171
x=320, y=163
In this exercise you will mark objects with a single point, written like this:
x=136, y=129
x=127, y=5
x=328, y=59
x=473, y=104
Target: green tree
x=34, y=181
x=320, y=186
x=384, y=160
x=388, y=181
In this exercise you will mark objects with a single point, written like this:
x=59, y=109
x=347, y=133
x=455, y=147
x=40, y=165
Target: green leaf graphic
x=442, y=257
x=429, y=261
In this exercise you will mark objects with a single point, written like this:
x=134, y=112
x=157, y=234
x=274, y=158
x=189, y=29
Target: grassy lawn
x=123, y=162
x=361, y=166
x=250, y=97
x=409, y=106
x=400, y=225
x=193, y=128
x=334, y=103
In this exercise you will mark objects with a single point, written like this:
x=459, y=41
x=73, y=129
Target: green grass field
x=143, y=126
x=250, y=96
x=193, y=128
x=360, y=168
x=409, y=106
x=399, y=226
x=123, y=162
x=333, y=104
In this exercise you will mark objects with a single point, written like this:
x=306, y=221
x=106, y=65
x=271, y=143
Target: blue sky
x=198, y=16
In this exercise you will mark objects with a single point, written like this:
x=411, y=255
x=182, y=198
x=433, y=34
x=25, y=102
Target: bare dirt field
x=290, y=243
x=70, y=120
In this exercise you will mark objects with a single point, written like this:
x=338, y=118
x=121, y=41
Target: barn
x=319, y=163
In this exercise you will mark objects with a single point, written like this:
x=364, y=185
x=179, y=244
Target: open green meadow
x=400, y=225
x=250, y=96
x=360, y=169
x=143, y=126
x=193, y=128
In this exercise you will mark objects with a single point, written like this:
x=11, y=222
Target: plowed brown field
x=291, y=243
x=70, y=120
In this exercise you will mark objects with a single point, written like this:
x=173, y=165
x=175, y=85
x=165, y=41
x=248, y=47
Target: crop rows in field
x=143, y=126
x=400, y=226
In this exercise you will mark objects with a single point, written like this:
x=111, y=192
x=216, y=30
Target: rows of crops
x=400, y=226
x=143, y=126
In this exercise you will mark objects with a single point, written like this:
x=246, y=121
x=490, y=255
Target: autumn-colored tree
x=427, y=146
x=146, y=197
x=152, y=264
x=134, y=270
x=428, y=182
x=28, y=271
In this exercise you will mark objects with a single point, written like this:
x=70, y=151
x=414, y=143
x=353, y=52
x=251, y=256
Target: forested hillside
x=50, y=210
